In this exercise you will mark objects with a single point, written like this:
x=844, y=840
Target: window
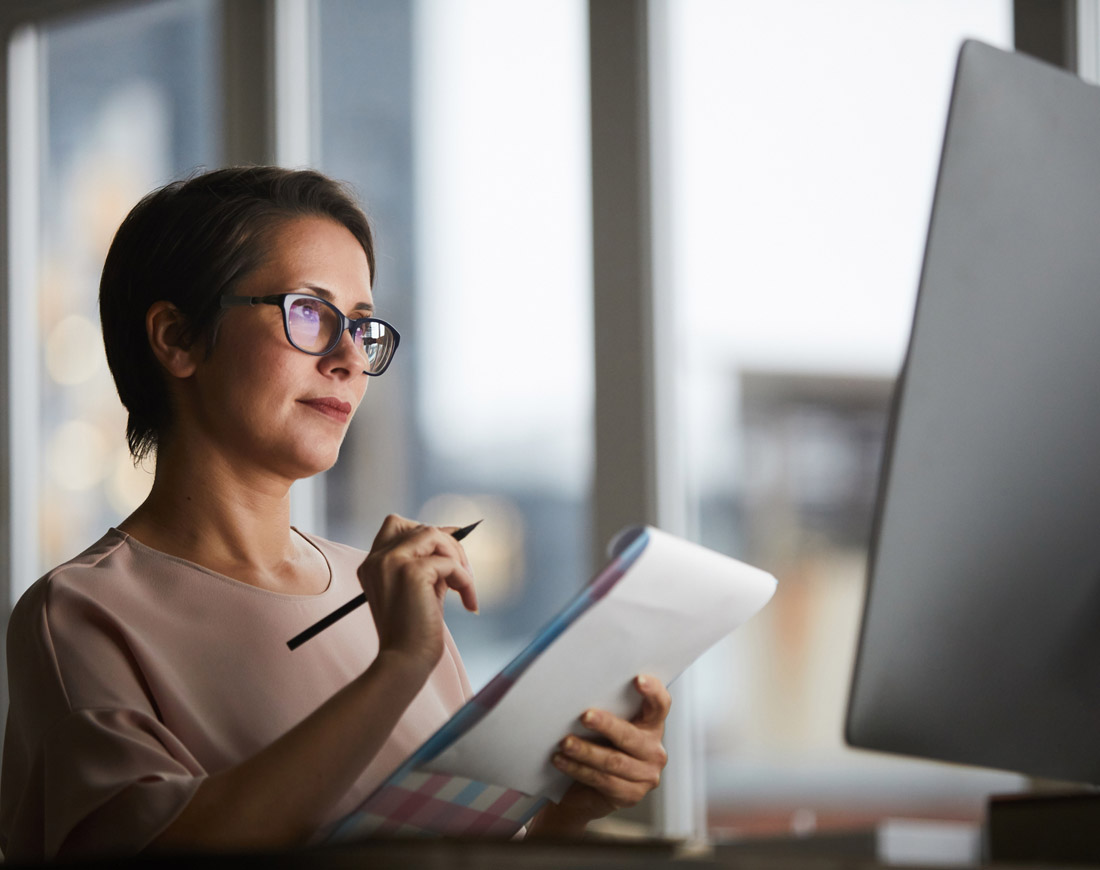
x=804, y=144
x=463, y=124
x=127, y=100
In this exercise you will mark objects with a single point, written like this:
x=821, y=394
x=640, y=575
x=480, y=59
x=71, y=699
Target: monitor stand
x=1062, y=827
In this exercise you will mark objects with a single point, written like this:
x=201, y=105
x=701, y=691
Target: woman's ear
x=165, y=325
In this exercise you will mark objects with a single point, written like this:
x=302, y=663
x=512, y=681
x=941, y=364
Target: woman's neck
x=234, y=523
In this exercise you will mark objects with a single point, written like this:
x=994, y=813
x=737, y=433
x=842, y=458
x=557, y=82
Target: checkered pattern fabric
x=433, y=804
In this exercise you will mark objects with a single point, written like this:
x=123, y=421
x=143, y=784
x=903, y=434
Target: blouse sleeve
x=83, y=779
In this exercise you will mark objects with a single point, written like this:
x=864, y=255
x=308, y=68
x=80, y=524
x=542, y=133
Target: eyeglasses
x=315, y=326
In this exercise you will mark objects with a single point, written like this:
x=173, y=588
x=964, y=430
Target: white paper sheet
x=676, y=601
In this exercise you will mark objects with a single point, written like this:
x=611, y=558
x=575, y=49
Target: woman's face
x=263, y=403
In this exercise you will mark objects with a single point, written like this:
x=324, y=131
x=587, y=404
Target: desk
x=588, y=854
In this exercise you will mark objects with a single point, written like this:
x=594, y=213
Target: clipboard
x=658, y=604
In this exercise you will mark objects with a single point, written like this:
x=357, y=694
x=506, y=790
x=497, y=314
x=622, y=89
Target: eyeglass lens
x=314, y=326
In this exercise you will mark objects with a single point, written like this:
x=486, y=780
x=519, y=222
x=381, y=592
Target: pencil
x=359, y=600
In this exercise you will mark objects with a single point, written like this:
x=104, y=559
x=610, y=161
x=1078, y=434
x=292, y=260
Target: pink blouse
x=134, y=674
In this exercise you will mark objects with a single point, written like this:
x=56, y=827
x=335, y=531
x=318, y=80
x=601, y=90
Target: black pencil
x=359, y=600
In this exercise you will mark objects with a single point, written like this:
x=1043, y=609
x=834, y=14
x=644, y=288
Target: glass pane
x=805, y=139
x=480, y=200
x=130, y=102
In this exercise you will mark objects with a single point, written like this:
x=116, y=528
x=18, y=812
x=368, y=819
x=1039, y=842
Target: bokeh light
x=495, y=549
x=74, y=350
x=76, y=456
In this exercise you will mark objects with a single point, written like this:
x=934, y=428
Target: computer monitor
x=980, y=640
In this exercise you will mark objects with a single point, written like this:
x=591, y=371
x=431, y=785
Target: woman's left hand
x=609, y=777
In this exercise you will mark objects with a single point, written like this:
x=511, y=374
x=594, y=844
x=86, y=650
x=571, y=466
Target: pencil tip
x=465, y=530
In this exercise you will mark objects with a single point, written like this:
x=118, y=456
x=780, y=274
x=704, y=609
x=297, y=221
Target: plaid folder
x=435, y=804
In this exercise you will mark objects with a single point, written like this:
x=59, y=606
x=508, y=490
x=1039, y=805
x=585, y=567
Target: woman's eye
x=308, y=310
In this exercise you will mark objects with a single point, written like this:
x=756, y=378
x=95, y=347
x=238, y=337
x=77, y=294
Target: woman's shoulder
x=115, y=581
x=103, y=550
x=98, y=560
x=59, y=617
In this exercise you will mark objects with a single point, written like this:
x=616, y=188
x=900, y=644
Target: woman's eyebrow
x=329, y=296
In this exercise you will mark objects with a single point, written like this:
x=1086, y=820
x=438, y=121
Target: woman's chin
x=310, y=463
x=313, y=469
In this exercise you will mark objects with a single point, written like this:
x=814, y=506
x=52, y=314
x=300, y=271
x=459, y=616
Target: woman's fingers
x=401, y=542
x=656, y=701
x=440, y=573
x=616, y=791
x=447, y=558
x=435, y=572
x=635, y=752
x=397, y=530
x=611, y=761
x=640, y=737
x=392, y=528
x=624, y=771
x=405, y=577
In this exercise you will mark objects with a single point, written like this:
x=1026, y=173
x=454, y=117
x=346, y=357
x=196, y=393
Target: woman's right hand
x=405, y=577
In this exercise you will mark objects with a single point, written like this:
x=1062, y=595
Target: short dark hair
x=189, y=243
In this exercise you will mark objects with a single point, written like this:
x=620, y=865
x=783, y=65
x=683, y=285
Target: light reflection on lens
x=306, y=319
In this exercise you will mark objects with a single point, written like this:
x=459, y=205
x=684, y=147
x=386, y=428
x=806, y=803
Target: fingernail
x=642, y=682
x=568, y=743
x=588, y=718
x=558, y=760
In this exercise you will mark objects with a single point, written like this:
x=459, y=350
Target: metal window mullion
x=294, y=101
x=19, y=132
x=625, y=483
x=638, y=469
x=1088, y=40
x=681, y=801
x=23, y=175
x=295, y=82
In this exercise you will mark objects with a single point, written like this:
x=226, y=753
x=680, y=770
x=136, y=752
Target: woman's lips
x=331, y=407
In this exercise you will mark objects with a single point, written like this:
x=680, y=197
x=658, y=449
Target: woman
x=154, y=703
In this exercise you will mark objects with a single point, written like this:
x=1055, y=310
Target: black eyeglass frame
x=347, y=324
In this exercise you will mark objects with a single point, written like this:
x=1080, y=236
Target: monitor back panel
x=981, y=631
